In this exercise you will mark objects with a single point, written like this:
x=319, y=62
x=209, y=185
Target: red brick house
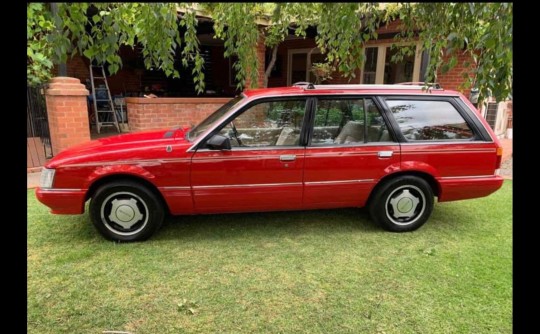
x=292, y=65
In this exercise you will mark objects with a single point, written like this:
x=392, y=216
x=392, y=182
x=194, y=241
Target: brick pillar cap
x=66, y=86
x=65, y=80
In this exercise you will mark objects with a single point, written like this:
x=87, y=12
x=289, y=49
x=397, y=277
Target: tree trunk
x=270, y=66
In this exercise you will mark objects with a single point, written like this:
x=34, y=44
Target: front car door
x=351, y=148
x=263, y=170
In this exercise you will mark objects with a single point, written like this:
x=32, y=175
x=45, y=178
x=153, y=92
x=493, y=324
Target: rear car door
x=350, y=149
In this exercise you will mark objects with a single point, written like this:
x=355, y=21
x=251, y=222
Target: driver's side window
x=276, y=123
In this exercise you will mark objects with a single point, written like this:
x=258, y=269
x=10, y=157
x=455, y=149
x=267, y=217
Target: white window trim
x=290, y=54
x=381, y=57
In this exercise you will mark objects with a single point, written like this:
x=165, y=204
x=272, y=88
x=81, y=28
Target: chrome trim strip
x=241, y=158
x=466, y=177
x=316, y=183
x=442, y=151
x=256, y=148
x=341, y=154
x=356, y=145
x=174, y=188
x=61, y=190
x=450, y=142
x=248, y=185
x=127, y=162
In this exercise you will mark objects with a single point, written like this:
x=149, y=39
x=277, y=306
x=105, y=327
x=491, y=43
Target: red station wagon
x=392, y=148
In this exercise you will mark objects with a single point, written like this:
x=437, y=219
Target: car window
x=429, y=120
x=213, y=117
x=275, y=123
x=348, y=121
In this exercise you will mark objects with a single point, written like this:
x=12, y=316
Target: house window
x=370, y=66
x=401, y=71
x=379, y=69
x=299, y=65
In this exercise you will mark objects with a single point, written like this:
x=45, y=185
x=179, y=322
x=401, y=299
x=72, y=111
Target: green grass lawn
x=328, y=271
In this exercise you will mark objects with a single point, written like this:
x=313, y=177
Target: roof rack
x=308, y=85
x=433, y=85
x=402, y=86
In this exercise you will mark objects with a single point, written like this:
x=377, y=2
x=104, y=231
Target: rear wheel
x=402, y=204
x=126, y=211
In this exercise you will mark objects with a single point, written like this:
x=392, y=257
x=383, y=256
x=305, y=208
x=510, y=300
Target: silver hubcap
x=124, y=213
x=405, y=205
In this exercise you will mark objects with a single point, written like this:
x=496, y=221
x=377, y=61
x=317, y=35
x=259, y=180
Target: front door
x=351, y=148
x=263, y=170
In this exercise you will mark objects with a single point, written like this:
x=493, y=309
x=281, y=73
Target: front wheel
x=402, y=204
x=126, y=211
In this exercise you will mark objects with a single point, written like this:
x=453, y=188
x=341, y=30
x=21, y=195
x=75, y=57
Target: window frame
x=478, y=131
x=308, y=99
x=349, y=97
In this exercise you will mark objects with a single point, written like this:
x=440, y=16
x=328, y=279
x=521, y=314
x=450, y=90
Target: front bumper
x=62, y=201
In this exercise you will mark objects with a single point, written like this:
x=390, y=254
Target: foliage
x=100, y=35
x=480, y=30
x=322, y=71
x=38, y=49
x=97, y=30
x=324, y=271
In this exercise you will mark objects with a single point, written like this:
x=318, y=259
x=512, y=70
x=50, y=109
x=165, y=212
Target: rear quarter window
x=429, y=120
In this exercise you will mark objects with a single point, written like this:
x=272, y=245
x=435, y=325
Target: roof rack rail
x=433, y=85
x=308, y=85
x=401, y=86
x=370, y=86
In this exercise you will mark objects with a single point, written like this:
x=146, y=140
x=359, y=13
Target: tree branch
x=270, y=66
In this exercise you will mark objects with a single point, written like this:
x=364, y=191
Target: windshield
x=202, y=126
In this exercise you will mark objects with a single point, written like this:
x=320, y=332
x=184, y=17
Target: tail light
x=499, y=157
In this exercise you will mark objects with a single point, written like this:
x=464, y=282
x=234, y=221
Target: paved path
x=506, y=168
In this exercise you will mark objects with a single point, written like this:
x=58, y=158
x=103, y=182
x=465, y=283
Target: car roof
x=349, y=89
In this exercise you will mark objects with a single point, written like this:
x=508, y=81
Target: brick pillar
x=67, y=109
x=261, y=52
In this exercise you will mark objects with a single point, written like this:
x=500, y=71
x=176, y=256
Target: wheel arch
x=435, y=186
x=97, y=183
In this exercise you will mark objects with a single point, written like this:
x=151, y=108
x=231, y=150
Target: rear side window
x=348, y=122
x=429, y=120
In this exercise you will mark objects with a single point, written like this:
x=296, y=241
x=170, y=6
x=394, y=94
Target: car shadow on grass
x=330, y=222
x=272, y=224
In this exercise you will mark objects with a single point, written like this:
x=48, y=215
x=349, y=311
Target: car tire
x=402, y=204
x=126, y=211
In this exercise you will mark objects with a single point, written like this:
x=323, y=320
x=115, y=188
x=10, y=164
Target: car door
x=350, y=149
x=263, y=169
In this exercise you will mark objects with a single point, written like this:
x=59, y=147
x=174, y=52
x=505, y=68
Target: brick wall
x=162, y=113
x=452, y=79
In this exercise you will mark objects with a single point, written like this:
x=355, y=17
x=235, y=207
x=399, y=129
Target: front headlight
x=47, y=178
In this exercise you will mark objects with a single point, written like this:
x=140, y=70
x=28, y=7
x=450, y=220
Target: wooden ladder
x=107, y=110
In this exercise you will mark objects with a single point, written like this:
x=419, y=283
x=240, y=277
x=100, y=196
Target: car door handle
x=385, y=154
x=288, y=157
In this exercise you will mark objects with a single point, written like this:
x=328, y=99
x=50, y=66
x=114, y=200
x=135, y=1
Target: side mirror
x=218, y=142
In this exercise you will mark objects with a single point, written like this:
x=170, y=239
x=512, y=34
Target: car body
x=390, y=147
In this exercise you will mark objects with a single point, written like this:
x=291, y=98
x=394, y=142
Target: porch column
x=261, y=52
x=67, y=110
